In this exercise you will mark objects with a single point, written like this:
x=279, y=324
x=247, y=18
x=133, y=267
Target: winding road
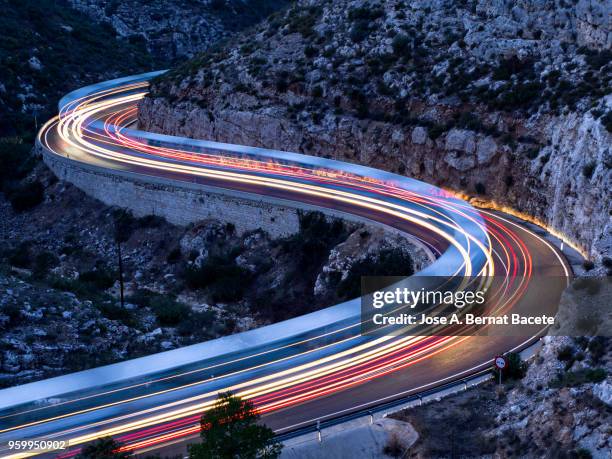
x=306, y=369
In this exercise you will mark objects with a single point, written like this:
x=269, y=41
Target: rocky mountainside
x=507, y=102
x=177, y=29
x=48, y=49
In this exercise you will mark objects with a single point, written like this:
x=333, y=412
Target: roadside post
x=500, y=363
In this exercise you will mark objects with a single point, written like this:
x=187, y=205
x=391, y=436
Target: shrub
x=149, y=221
x=588, y=169
x=597, y=348
x=168, y=311
x=310, y=51
x=317, y=91
x=114, y=311
x=225, y=280
x=597, y=59
x=394, y=447
x=16, y=162
x=580, y=453
x=365, y=13
x=576, y=378
x=511, y=66
x=389, y=262
x=304, y=21
x=565, y=353
x=315, y=238
x=197, y=323
x=400, y=44
x=588, y=265
x=43, y=262
x=26, y=196
x=360, y=31
x=103, y=448
x=21, y=256
x=100, y=278
x=174, y=255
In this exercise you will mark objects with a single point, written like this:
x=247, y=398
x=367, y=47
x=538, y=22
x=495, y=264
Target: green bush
x=103, y=448
x=100, y=278
x=150, y=221
x=315, y=238
x=580, y=453
x=169, y=312
x=43, y=262
x=198, y=323
x=597, y=347
x=389, y=262
x=400, y=44
x=365, y=13
x=565, y=353
x=317, y=91
x=303, y=21
x=21, y=256
x=310, y=51
x=225, y=280
x=114, y=311
x=588, y=169
x=512, y=66
x=174, y=256
x=576, y=378
x=16, y=162
x=27, y=195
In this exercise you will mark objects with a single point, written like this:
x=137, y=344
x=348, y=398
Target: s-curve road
x=310, y=368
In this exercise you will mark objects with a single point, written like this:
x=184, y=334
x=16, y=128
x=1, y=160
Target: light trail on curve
x=94, y=128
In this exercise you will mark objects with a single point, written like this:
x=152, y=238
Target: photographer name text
x=466, y=319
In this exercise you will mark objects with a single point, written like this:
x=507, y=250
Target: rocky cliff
x=506, y=102
x=173, y=30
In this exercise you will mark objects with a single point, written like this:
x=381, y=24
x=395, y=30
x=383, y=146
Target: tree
x=103, y=448
x=230, y=431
